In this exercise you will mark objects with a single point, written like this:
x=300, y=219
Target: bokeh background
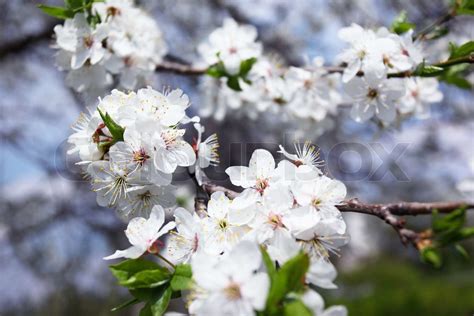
x=53, y=236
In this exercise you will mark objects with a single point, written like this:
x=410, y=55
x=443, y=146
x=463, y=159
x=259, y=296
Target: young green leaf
x=57, y=12
x=290, y=278
x=269, y=263
x=182, y=277
x=401, y=25
x=423, y=70
x=147, y=279
x=233, y=83
x=127, y=268
x=159, y=307
x=296, y=307
x=466, y=7
x=432, y=256
x=450, y=222
x=114, y=129
x=464, y=50
x=246, y=66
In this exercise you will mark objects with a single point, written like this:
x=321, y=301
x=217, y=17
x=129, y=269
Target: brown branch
x=180, y=68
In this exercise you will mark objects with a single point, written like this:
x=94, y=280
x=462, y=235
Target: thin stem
x=165, y=260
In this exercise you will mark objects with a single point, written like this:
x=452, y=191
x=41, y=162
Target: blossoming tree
x=265, y=249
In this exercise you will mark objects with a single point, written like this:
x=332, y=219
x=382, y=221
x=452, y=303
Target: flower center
x=232, y=291
x=232, y=50
x=88, y=41
x=140, y=156
x=223, y=224
x=261, y=185
x=316, y=202
x=113, y=11
x=372, y=94
x=275, y=220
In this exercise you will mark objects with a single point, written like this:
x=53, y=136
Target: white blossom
x=220, y=231
x=231, y=44
x=374, y=97
x=142, y=233
x=187, y=240
x=421, y=92
x=230, y=286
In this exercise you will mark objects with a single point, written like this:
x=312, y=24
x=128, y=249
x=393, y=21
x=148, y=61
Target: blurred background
x=53, y=236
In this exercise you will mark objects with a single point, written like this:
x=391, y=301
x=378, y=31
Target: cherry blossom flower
x=220, y=231
x=230, y=286
x=188, y=239
x=374, y=97
x=142, y=233
x=421, y=92
x=206, y=152
x=231, y=44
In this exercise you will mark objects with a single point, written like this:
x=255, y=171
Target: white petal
x=131, y=253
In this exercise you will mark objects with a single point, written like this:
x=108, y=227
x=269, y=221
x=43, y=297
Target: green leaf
x=114, y=129
x=147, y=279
x=128, y=303
x=401, y=25
x=290, y=278
x=432, y=256
x=466, y=232
x=74, y=4
x=466, y=7
x=423, y=70
x=269, y=263
x=296, y=307
x=450, y=222
x=246, y=66
x=127, y=268
x=464, y=50
x=182, y=277
x=217, y=70
x=159, y=307
x=455, y=74
x=233, y=83
x=461, y=250
x=57, y=12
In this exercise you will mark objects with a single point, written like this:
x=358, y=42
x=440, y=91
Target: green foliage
x=401, y=25
x=114, y=129
x=284, y=283
x=424, y=70
x=57, y=12
x=148, y=282
x=296, y=307
x=465, y=7
x=464, y=50
x=71, y=7
x=182, y=277
x=431, y=256
x=218, y=71
x=455, y=75
x=447, y=231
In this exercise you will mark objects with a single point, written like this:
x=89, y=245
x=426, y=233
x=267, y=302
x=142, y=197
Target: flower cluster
x=287, y=208
x=377, y=55
x=114, y=38
x=131, y=145
x=314, y=92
